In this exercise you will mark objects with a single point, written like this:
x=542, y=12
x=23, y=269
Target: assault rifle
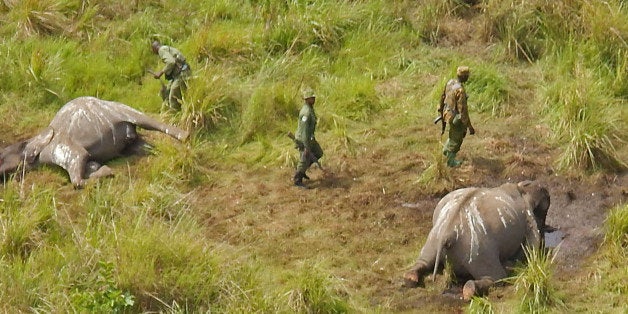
x=440, y=118
x=310, y=155
x=443, y=124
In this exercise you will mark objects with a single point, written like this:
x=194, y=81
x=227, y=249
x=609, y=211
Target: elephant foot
x=411, y=279
x=103, y=171
x=469, y=290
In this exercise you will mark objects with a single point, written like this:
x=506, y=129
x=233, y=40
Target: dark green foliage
x=105, y=297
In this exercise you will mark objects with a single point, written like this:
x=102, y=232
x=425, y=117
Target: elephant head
x=538, y=198
x=25, y=151
x=11, y=157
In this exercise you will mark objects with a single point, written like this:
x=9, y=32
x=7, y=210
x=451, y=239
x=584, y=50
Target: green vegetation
x=533, y=282
x=178, y=231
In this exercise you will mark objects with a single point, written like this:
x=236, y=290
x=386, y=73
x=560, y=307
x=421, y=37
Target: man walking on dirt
x=309, y=149
x=176, y=70
x=454, y=111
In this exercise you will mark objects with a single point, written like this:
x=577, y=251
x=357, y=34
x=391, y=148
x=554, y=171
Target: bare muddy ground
x=365, y=217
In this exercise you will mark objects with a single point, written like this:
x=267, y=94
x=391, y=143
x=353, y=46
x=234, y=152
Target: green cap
x=308, y=93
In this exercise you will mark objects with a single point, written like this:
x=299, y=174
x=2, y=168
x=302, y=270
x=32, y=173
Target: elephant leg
x=428, y=260
x=95, y=170
x=476, y=288
x=485, y=272
x=73, y=158
x=145, y=122
x=414, y=277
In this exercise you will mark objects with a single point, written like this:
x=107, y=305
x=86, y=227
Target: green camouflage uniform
x=456, y=114
x=176, y=71
x=306, y=142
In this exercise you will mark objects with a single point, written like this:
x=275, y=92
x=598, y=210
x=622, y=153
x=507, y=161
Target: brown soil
x=366, y=218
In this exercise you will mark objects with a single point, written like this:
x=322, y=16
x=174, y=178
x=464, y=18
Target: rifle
x=163, y=92
x=310, y=155
x=443, y=124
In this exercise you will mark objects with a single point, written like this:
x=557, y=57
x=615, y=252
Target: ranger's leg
x=452, y=146
x=302, y=166
x=175, y=96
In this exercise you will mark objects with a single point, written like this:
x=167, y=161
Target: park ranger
x=309, y=149
x=176, y=70
x=454, y=111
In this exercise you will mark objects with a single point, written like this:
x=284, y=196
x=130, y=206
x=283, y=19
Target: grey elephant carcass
x=478, y=229
x=84, y=133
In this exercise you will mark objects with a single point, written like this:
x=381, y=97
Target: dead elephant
x=84, y=133
x=478, y=229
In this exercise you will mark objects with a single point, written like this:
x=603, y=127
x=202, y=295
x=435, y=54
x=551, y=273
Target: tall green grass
x=533, y=282
x=585, y=116
x=612, y=271
x=606, y=274
x=314, y=292
x=480, y=306
x=488, y=90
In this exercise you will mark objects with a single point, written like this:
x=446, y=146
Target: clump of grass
x=437, y=177
x=429, y=16
x=488, y=90
x=224, y=40
x=353, y=97
x=37, y=17
x=528, y=29
x=606, y=281
x=270, y=106
x=305, y=25
x=611, y=271
x=534, y=281
x=315, y=292
x=617, y=228
x=480, y=306
x=584, y=115
x=24, y=221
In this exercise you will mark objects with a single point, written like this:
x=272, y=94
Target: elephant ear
x=524, y=184
x=36, y=144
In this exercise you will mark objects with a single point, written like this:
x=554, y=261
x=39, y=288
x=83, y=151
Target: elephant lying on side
x=477, y=229
x=84, y=133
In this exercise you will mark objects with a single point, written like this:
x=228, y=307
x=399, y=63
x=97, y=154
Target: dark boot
x=298, y=179
x=451, y=160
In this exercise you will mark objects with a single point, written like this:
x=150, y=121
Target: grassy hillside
x=214, y=225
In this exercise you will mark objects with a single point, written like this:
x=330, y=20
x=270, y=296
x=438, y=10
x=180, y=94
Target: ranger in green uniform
x=176, y=71
x=309, y=149
x=453, y=108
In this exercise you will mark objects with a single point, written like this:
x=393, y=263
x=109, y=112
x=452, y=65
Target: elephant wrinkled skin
x=478, y=229
x=84, y=133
